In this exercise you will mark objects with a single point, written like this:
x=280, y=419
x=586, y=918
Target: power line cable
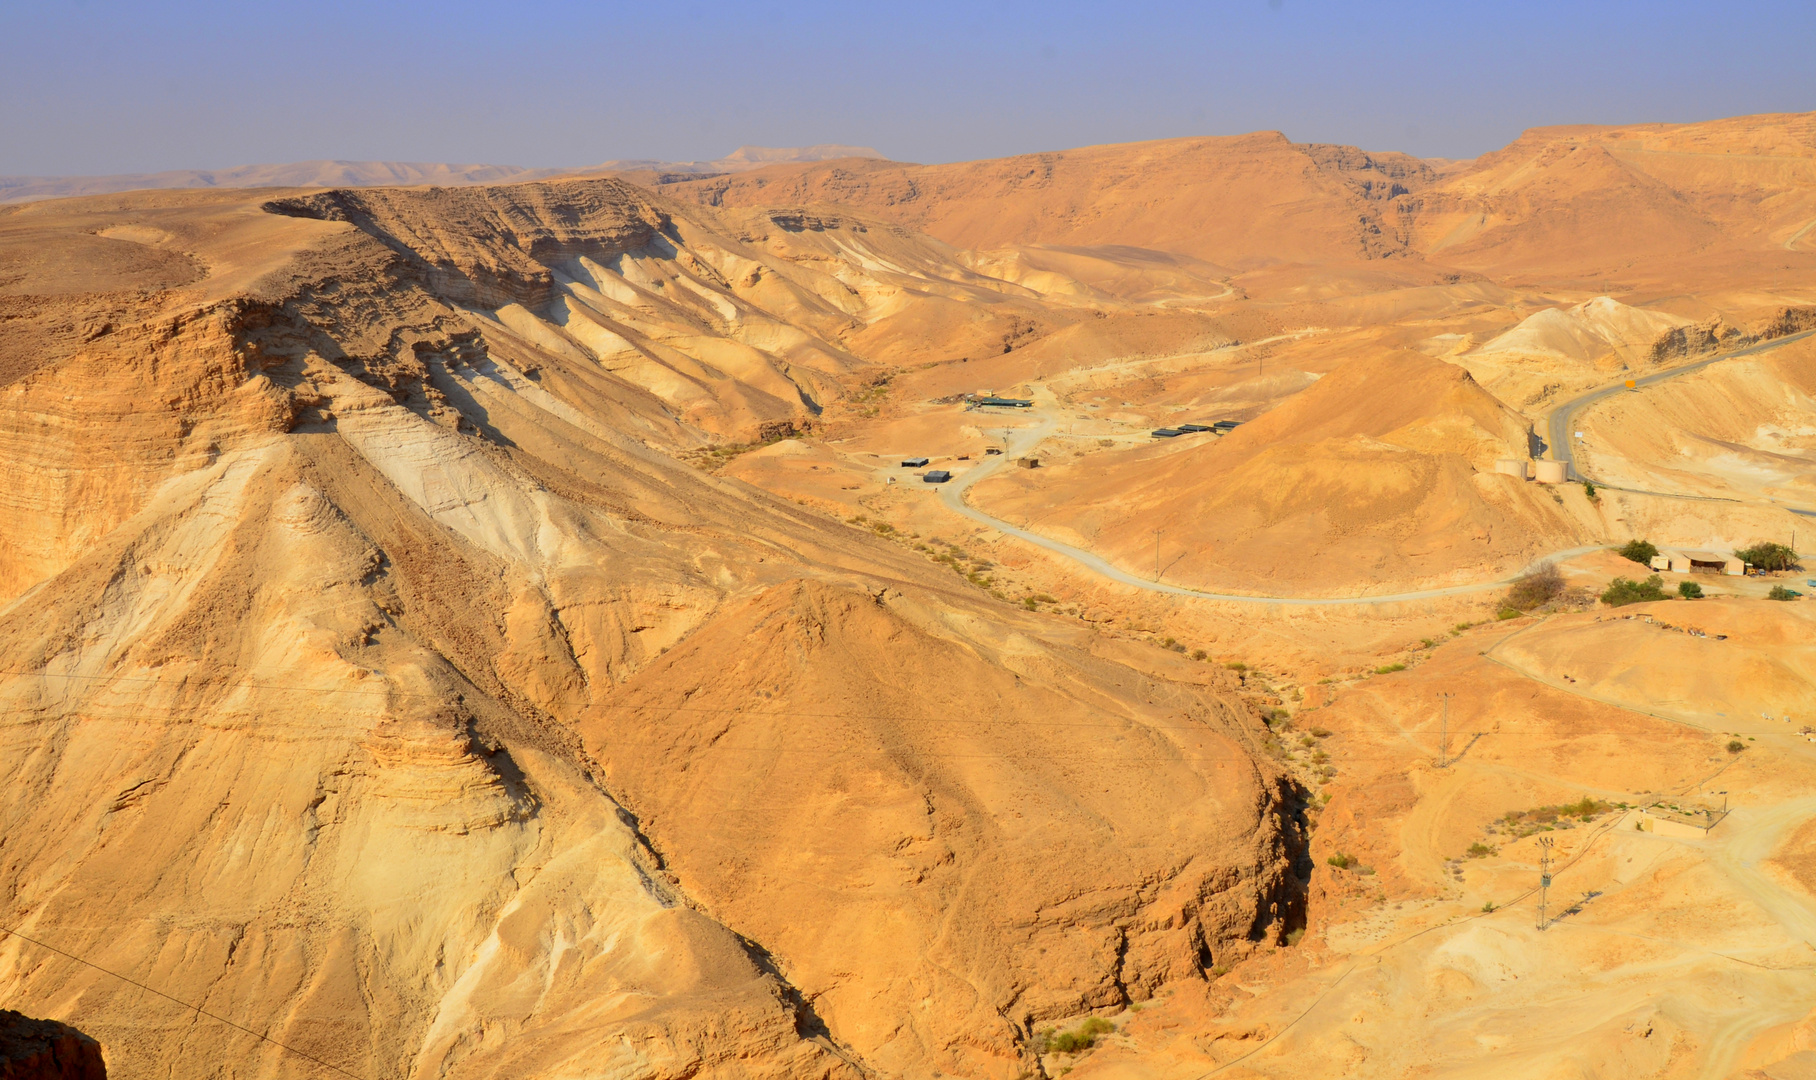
x=195, y=1008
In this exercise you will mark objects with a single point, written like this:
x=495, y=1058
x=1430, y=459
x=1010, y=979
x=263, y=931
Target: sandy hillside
x=1380, y=471
x=362, y=672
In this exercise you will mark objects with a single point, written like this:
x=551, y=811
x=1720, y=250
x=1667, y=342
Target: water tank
x=1552, y=472
x=1510, y=467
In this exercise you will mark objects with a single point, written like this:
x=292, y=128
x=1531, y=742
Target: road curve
x=1563, y=417
x=1022, y=440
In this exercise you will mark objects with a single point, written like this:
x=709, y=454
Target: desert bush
x=1689, y=590
x=1540, y=585
x=1769, y=556
x=1735, y=746
x=1479, y=850
x=1341, y=861
x=1236, y=665
x=1779, y=592
x=1621, y=592
x=1322, y=733
x=1639, y=551
x=1199, y=654
x=1508, y=613
x=1077, y=1040
x=1389, y=669
x=1589, y=488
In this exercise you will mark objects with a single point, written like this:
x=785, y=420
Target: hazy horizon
x=103, y=87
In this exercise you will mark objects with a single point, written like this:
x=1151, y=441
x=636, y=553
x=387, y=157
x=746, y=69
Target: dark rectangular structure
x=914, y=463
x=1193, y=429
x=1222, y=427
x=1167, y=433
x=1006, y=402
x=937, y=476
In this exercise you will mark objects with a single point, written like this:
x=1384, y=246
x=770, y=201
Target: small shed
x=1027, y=462
x=914, y=462
x=1167, y=433
x=1193, y=429
x=937, y=476
x=1224, y=427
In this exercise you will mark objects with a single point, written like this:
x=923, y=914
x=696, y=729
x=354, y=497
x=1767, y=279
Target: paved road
x=1022, y=440
x=1563, y=435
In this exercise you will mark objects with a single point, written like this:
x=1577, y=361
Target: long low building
x=1683, y=561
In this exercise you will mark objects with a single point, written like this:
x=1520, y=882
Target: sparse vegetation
x=1199, y=654
x=1689, y=590
x=1639, y=551
x=1779, y=592
x=1621, y=591
x=1518, y=823
x=1294, y=935
x=1321, y=733
x=1735, y=746
x=1766, y=555
x=1076, y=1041
x=1589, y=488
x=1536, y=587
x=1341, y=861
x=1488, y=907
x=1479, y=850
x=1389, y=669
x=1236, y=665
x=1508, y=613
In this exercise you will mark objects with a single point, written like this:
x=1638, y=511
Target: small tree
x=1589, y=488
x=1638, y=551
x=1689, y=590
x=1779, y=592
x=1769, y=556
x=1540, y=585
x=1621, y=592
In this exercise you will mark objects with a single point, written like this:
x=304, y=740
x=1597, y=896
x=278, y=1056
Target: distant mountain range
x=402, y=173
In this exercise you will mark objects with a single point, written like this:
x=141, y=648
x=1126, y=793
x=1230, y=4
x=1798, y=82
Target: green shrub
x=1638, y=551
x=1779, y=592
x=1540, y=585
x=1488, y=907
x=1236, y=665
x=1341, y=861
x=1689, y=590
x=1735, y=746
x=1621, y=592
x=1508, y=613
x=1199, y=654
x=1479, y=850
x=1076, y=1041
x=1389, y=669
x=1766, y=555
x=1589, y=488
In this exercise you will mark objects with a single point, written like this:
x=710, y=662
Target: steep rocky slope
x=377, y=679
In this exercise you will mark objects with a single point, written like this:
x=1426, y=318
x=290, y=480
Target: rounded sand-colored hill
x=1376, y=478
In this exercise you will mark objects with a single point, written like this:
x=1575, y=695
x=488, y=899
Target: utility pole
x=1156, y=556
x=1444, y=733
x=1544, y=877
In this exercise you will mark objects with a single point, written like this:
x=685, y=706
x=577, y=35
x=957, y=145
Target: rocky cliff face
x=46, y=1050
x=375, y=677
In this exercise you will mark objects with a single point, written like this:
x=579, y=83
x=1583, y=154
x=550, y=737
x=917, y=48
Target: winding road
x=1561, y=431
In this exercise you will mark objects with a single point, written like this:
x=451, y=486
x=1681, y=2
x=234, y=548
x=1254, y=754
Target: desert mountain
x=399, y=173
x=378, y=676
x=1582, y=205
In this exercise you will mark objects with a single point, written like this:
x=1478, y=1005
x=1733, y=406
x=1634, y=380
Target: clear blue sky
x=105, y=86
